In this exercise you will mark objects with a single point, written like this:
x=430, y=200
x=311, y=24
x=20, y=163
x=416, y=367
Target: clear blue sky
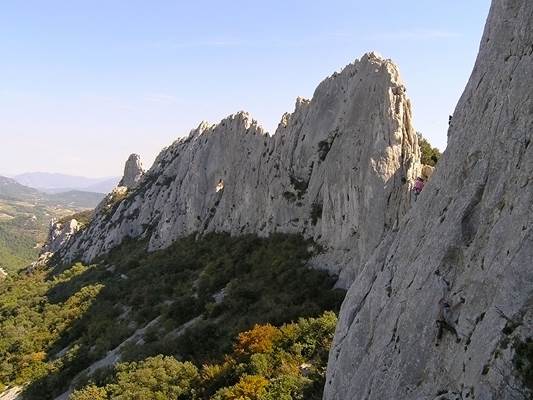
x=85, y=83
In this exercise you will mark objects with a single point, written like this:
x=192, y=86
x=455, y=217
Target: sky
x=85, y=83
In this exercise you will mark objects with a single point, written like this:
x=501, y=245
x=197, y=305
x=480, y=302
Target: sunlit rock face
x=467, y=240
x=59, y=234
x=338, y=169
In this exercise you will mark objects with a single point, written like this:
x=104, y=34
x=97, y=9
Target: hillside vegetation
x=25, y=215
x=202, y=315
x=266, y=363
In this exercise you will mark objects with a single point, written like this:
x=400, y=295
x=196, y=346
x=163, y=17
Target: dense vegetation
x=57, y=323
x=18, y=239
x=266, y=363
x=429, y=155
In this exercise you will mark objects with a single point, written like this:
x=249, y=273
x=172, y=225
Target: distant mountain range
x=11, y=190
x=60, y=183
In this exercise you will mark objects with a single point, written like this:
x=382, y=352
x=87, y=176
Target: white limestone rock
x=469, y=236
x=59, y=234
x=338, y=169
x=133, y=172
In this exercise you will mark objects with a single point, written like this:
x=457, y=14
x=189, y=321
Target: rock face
x=338, y=169
x=133, y=172
x=468, y=240
x=59, y=235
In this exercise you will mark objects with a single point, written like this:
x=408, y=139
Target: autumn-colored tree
x=259, y=339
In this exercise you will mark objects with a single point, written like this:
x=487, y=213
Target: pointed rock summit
x=438, y=310
x=133, y=172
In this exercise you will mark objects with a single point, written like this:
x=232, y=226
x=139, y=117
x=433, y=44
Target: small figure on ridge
x=419, y=185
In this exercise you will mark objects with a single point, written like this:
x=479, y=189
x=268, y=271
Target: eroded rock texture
x=468, y=240
x=338, y=169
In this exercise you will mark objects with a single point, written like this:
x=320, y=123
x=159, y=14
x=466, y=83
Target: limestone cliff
x=468, y=241
x=338, y=169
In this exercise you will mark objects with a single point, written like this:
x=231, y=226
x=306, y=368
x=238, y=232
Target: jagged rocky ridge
x=469, y=238
x=338, y=169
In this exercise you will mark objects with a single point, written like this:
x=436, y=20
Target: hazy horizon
x=86, y=85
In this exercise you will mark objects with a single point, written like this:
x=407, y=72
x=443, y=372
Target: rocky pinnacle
x=133, y=172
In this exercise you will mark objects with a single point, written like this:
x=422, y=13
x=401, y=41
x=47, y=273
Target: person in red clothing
x=419, y=185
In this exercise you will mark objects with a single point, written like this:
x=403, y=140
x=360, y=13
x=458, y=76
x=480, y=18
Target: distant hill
x=75, y=199
x=11, y=189
x=57, y=183
x=25, y=214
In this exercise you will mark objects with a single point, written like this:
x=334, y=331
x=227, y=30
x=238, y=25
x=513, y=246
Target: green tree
x=429, y=155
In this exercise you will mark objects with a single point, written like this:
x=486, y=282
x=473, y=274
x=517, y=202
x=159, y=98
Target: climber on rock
x=220, y=186
x=445, y=318
x=419, y=185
